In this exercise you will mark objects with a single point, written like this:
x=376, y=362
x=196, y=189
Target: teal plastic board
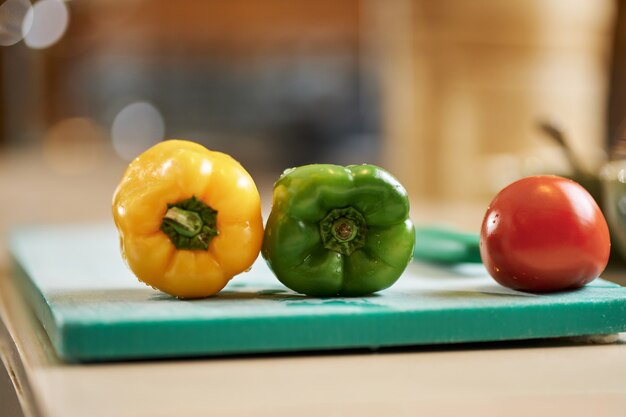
x=93, y=308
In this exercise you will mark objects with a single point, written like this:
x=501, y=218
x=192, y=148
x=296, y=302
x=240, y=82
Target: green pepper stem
x=343, y=230
x=187, y=223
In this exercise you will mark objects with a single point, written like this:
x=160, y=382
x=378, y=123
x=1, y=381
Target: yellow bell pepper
x=189, y=219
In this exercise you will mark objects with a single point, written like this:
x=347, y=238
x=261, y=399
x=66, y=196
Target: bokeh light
x=73, y=146
x=45, y=23
x=12, y=25
x=136, y=127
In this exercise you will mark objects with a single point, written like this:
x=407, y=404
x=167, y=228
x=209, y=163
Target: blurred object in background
x=445, y=94
x=276, y=83
x=14, y=21
x=481, y=74
x=616, y=115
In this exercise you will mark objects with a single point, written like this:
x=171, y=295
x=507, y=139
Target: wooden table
x=563, y=377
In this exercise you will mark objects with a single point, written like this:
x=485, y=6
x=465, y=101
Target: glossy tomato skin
x=542, y=234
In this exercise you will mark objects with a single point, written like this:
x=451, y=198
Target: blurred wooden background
x=465, y=83
x=446, y=94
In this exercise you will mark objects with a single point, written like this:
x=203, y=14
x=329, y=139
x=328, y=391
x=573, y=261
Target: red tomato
x=544, y=233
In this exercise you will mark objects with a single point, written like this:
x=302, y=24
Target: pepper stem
x=187, y=223
x=343, y=230
x=190, y=224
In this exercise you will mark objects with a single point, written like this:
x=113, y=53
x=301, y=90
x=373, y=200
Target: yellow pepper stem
x=187, y=223
x=190, y=224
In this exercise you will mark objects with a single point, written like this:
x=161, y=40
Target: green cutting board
x=93, y=309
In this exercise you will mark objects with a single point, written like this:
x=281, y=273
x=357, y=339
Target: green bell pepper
x=338, y=231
